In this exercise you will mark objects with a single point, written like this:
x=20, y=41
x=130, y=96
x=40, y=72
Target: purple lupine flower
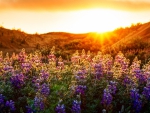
x=26, y=66
x=11, y=105
x=134, y=94
x=44, y=74
x=60, y=108
x=107, y=97
x=146, y=92
x=135, y=99
x=17, y=80
x=80, y=89
x=108, y=63
x=141, y=77
x=112, y=87
x=76, y=106
x=7, y=68
x=98, y=70
x=80, y=75
x=137, y=105
x=30, y=110
x=39, y=103
x=2, y=100
x=45, y=90
x=34, y=79
x=127, y=81
x=36, y=82
x=122, y=61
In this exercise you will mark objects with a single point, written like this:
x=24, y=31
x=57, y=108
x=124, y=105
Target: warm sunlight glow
x=96, y=20
x=78, y=21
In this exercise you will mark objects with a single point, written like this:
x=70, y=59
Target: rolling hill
x=134, y=37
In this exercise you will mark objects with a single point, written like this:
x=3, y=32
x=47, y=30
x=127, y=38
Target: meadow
x=83, y=83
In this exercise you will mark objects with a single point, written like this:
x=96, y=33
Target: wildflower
x=98, y=70
x=80, y=75
x=44, y=74
x=112, y=87
x=80, y=89
x=127, y=81
x=146, y=90
x=26, y=66
x=135, y=99
x=30, y=110
x=39, y=103
x=2, y=103
x=45, y=90
x=107, y=97
x=60, y=108
x=138, y=73
x=18, y=80
x=76, y=106
x=11, y=105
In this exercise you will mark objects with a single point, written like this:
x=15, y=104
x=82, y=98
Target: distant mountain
x=134, y=37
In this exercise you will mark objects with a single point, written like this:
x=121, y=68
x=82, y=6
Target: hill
x=130, y=38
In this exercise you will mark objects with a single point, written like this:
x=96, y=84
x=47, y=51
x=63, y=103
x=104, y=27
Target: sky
x=75, y=16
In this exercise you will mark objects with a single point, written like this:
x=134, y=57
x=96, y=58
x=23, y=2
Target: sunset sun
x=96, y=20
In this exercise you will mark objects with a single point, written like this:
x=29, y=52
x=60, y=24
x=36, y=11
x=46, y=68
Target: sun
x=96, y=20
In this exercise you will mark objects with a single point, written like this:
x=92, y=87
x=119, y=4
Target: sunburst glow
x=78, y=21
x=96, y=20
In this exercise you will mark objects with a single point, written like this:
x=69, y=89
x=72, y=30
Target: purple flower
x=45, y=90
x=80, y=89
x=127, y=81
x=39, y=103
x=30, y=110
x=138, y=73
x=134, y=94
x=98, y=70
x=146, y=92
x=8, y=68
x=2, y=103
x=76, y=106
x=107, y=97
x=44, y=74
x=135, y=99
x=18, y=80
x=80, y=75
x=11, y=105
x=60, y=108
x=26, y=66
x=112, y=87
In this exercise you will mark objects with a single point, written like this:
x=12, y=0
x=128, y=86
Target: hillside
x=138, y=38
x=133, y=37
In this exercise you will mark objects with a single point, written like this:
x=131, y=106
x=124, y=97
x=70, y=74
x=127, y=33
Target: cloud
x=67, y=5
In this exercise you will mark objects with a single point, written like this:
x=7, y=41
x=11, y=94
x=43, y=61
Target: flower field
x=33, y=83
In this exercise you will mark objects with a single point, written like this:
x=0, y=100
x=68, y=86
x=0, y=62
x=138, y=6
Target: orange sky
x=75, y=16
